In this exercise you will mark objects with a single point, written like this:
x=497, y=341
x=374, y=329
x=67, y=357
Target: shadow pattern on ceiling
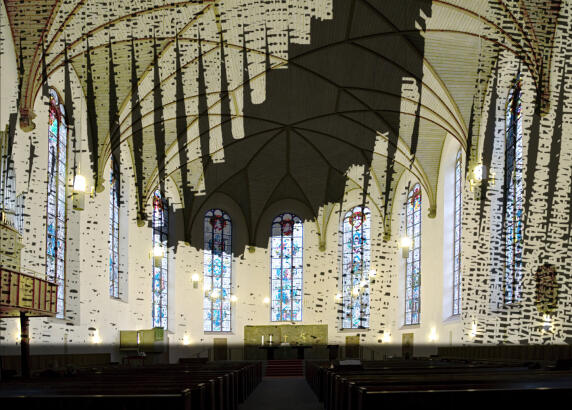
x=322, y=116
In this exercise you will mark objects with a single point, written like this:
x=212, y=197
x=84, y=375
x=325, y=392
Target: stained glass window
x=286, y=268
x=56, y=203
x=356, y=249
x=413, y=265
x=514, y=202
x=161, y=269
x=217, y=271
x=457, y=239
x=114, y=230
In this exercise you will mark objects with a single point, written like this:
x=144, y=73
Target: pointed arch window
x=356, y=251
x=114, y=230
x=56, y=199
x=217, y=271
x=286, y=268
x=160, y=269
x=513, y=193
x=413, y=264
x=457, y=237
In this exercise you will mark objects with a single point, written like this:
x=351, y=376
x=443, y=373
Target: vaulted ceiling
x=270, y=100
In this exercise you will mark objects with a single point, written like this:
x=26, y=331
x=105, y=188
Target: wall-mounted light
x=547, y=323
x=372, y=273
x=186, y=340
x=405, y=244
x=96, y=339
x=338, y=297
x=79, y=190
x=157, y=253
x=473, y=330
x=195, y=280
x=479, y=174
x=233, y=298
x=355, y=291
x=433, y=335
x=386, y=338
x=266, y=300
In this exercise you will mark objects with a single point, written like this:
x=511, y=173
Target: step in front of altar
x=285, y=368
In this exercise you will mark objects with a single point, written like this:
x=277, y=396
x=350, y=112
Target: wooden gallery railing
x=20, y=292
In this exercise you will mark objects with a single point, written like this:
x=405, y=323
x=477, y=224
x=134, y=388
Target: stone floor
x=282, y=394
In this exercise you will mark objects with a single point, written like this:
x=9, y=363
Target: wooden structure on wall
x=352, y=347
x=23, y=296
x=25, y=293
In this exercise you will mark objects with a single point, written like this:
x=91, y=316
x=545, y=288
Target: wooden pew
x=194, y=386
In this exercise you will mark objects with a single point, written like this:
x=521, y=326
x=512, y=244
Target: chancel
x=312, y=204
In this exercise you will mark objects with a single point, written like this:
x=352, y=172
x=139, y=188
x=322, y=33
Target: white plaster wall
x=8, y=69
x=94, y=316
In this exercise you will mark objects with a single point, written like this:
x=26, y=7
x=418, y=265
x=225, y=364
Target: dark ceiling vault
x=278, y=105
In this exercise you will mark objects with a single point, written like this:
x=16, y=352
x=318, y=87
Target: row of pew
x=184, y=386
x=434, y=382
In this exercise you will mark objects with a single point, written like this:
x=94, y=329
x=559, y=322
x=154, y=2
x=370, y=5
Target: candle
x=262, y=343
x=270, y=339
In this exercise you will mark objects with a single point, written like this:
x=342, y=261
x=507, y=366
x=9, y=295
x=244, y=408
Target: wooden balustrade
x=20, y=292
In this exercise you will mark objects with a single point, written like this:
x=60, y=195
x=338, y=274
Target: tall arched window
x=356, y=249
x=457, y=238
x=513, y=187
x=56, y=209
x=286, y=265
x=114, y=230
x=413, y=265
x=217, y=271
x=161, y=269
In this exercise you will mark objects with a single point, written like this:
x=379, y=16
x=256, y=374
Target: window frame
x=457, y=234
x=114, y=231
x=364, y=248
x=57, y=106
x=226, y=252
x=163, y=233
x=513, y=186
x=415, y=245
x=296, y=221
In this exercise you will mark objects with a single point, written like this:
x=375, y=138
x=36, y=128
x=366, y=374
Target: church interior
x=313, y=204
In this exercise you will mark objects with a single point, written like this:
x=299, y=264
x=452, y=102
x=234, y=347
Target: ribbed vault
x=266, y=101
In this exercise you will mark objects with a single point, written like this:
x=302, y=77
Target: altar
x=269, y=342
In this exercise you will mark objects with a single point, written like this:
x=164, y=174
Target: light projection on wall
x=217, y=271
x=457, y=238
x=114, y=230
x=356, y=260
x=514, y=201
x=286, y=243
x=160, y=270
x=413, y=265
x=56, y=210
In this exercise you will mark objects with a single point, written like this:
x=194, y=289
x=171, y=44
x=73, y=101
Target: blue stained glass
x=217, y=270
x=514, y=194
x=114, y=230
x=160, y=235
x=356, y=250
x=56, y=200
x=286, y=256
x=413, y=264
